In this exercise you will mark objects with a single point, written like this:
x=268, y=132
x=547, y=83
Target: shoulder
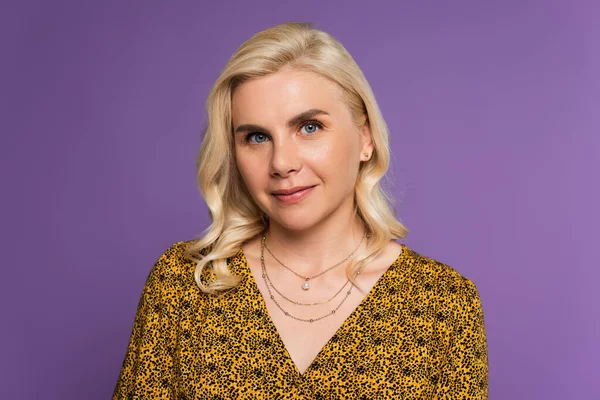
x=172, y=269
x=172, y=259
x=439, y=280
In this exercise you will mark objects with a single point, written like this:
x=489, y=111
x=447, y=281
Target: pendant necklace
x=306, y=284
x=287, y=313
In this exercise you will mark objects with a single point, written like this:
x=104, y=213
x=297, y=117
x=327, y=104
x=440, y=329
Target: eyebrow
x=313, y=112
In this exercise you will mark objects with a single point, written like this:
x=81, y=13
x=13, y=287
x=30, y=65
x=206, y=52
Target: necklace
x=287, y=314
x=266, y=275
x=306, y=284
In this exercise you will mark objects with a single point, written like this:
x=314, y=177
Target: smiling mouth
x=294, y=197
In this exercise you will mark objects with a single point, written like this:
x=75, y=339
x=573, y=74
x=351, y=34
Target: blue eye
x=312, y=126
x=258, y=134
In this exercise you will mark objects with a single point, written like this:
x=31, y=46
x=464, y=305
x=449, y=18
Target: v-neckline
x=253, y=286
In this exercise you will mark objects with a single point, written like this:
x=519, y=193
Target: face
x=293, y=129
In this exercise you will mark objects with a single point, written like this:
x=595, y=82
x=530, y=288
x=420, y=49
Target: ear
x=366, y=140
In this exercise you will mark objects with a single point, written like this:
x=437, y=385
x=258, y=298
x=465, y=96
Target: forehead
x=285, y=93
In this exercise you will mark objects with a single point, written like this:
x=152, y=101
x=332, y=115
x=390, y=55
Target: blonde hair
x=235, y=217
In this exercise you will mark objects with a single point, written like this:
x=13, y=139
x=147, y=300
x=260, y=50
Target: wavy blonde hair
x=235, y=217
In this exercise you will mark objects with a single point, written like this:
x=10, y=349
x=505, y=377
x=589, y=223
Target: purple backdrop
x=494, y=118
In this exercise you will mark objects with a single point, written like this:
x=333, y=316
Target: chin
x=295, y=221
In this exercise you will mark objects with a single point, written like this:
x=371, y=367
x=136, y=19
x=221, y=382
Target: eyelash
x=318, y=124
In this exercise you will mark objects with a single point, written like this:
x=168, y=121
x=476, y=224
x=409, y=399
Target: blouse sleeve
x=148, y=369
x=464, y=373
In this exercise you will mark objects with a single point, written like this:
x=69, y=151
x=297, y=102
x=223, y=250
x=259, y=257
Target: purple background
x=494, y=118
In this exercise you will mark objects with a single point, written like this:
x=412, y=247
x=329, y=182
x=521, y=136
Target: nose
x=285, y=158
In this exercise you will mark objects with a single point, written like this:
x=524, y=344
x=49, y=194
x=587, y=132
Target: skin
x=316, y=230
x=321, y=230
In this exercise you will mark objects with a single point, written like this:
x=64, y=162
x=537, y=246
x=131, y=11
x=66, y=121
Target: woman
x=298, y=289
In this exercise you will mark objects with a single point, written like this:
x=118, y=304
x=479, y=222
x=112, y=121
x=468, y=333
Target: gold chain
x=306, y=284
x=321, y=273
x=266, y=275
x=286, y=313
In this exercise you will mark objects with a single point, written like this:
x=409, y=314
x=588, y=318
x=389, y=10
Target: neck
x=317, y=248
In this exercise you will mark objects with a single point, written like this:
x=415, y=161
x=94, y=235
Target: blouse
x=418, y=334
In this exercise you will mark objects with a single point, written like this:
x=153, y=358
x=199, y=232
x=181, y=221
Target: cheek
x=250, y=169
x=335, y=159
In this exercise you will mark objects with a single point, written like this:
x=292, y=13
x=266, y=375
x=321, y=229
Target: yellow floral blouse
x=419, y=334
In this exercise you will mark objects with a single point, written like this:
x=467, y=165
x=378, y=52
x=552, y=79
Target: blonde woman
x=298, y=288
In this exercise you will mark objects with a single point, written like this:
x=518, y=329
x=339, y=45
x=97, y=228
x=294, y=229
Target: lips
x=290, y=191
x=295, y=195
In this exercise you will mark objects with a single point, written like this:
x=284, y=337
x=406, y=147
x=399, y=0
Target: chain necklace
x=266, y=275
x=287, y=314
x=306, y=284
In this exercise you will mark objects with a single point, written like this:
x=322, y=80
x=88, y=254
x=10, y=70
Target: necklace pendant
x=306, y=285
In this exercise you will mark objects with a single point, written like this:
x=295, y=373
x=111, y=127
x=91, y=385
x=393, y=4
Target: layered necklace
x=305, y=285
